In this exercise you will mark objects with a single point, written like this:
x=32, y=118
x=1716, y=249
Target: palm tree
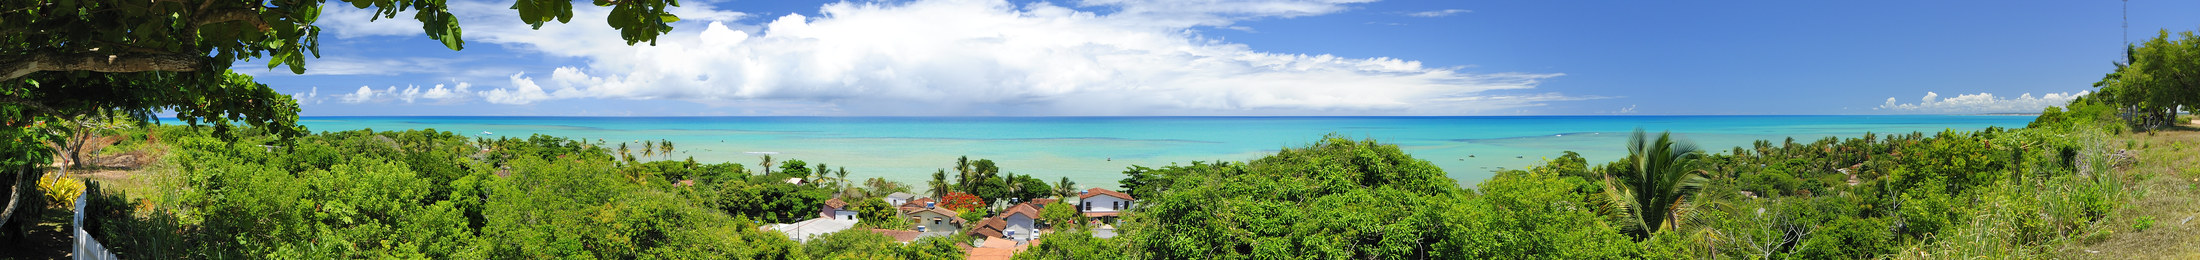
x=840, y=175
x=939, y=184
x=962, y=166
x=664, y=148
x=1654, y=191
x=649, y=148
x=1065, y=189
x=622, y=150
x=767, y=163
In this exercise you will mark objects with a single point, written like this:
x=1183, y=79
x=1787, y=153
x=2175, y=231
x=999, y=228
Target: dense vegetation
x=1994, y=193
x=425, y=193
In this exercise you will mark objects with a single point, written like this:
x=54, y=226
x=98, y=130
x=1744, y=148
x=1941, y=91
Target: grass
x=2160, y=220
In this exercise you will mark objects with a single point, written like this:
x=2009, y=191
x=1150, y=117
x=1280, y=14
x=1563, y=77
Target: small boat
x=487, y=133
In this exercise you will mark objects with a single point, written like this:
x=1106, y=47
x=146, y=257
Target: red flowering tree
x=961, y=202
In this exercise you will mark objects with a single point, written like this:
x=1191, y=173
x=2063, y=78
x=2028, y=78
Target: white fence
x=86, y=247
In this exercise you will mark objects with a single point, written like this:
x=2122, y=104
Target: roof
x=991, y=253
x=1099, y=191
x=1027, y=209
x=942, y=211
x=903, y=236
x=801, y=231
x=1092, y=214
x=916, y=203
x=836, y=203
x=1043, y=202
x=900, y=195
x=990, y=227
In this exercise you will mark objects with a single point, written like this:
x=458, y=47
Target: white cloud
x=409, y=94
x=312, y=96
x=1981, y=103
x=976, y=57
x=363, y=95
x=1630, y=109
x=1439, y=13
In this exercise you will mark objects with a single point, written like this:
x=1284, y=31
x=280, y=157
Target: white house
x=836, y=209
x=1103, y=203
x=899, y=198
x=1018, y=223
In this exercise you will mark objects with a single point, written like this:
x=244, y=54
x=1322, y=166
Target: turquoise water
x=1093, y=151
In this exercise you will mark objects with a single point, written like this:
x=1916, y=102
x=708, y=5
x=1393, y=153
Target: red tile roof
x=1099, y=191
x=903, y=236
x=1025, y=208
x=990, y=227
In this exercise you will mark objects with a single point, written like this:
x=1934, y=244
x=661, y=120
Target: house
x=806, y=229
x=1018, y=223
x=836, y=209
x=1103, y=203
x=935, y=219
x=917, y=204
x=899, y=198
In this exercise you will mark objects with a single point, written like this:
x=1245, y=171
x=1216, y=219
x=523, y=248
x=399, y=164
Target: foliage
x=1655, y=190
x=1061, y=215
x=1074, y=244
x=961, y=202
x=1338, y=198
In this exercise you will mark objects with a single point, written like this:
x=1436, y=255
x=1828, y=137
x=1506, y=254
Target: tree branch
x=231, y=15
x=17, y=66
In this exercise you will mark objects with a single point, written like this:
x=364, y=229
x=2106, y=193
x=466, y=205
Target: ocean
x=1094, y=151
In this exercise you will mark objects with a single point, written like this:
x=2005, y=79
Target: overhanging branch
x=17, y=66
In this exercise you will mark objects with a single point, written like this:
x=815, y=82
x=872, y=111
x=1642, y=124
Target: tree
x=939, y=184
x=964, y=174
x=2157, y=77
x=75, y=132
x=649, y=148
x=767, y=164
x=961, y=202
x=626, y=154
x=664, y=147
x=1065, y=189
x=1658, y=185
x=61, y=58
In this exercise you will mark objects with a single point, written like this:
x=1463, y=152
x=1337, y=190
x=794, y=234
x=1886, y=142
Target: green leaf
x=669, y=18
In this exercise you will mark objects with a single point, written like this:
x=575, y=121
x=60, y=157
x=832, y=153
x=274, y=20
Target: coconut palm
x=939, y=184
x=664, y=148
x=767, y=163
x=649, y=148
x=1065, y=189
x=1654, y=190
x=622, y=149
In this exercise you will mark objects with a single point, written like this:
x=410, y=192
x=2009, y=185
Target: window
x=935, y=221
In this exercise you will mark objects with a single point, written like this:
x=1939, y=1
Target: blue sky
x=1236, y=57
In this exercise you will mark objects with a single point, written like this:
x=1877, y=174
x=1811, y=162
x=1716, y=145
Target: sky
x=1234, y=58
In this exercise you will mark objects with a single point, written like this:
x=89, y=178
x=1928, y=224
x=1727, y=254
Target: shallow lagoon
x=1093, y=151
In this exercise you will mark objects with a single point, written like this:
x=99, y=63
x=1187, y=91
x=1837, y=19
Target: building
x=836, y=209
x=899, y=198
x=1018, y=223
x=935, y=220
x=1103, y=203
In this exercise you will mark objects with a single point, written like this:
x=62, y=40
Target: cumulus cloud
x=1980, y=103
x=1439, y=13
x=976, y=57
x=409, y=94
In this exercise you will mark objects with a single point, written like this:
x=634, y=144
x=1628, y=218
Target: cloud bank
x=983, y=57
x=1981, y=103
